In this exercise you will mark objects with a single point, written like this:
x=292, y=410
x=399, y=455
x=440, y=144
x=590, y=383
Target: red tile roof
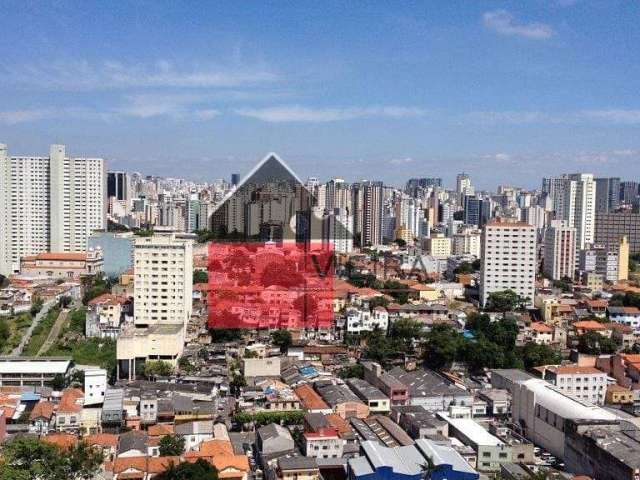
x=310, y=399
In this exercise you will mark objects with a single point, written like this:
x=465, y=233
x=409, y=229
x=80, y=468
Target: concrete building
x=508, y=259
x=575, y=203
x=342, y=400
x=467, y=243
x=95, y=386
x=163, y=269
x=261, y=367
x=377, y=401
x=611, y=227
x=321, y=439
x=607, y=194
x=545, y=413
x=359, y=321
x=585, y=383
x=62, y=265
x=559, y=251
x=378, y=462
x=490, y=450
x=439, y=246
x=48, y=204
x=24, y=371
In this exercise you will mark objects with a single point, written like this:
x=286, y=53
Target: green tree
x=157, y=368
x=171, y=446
x=351, y=371
x=199, y=470
x=504, y=301
x=65, y=301
x=200, y=276
x=397, y=290
x=592, y=343
x=36, y=305
x=482, y=353
x=282, y=338
x=379, y=347
x=282, y=274
x=405, y=331
x=535, y=355
x=28, y=458
x=442, y=346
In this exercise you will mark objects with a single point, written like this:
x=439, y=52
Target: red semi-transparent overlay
x=265, y=285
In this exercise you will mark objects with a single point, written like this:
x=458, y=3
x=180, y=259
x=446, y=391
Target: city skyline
x=507, y=92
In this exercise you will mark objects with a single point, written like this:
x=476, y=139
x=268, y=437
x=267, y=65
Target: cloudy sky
x=507, y=91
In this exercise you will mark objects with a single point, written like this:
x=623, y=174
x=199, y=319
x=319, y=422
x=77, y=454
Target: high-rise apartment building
x=559, y=251
x=163, y=269
x=574, y=201
x=463, y=187
x=607, y=194
x=336, y=230
x=119, y=186
x=368, y=216
x=508, y=259
x=49, y=203
x=611, y=227
x=630, y=193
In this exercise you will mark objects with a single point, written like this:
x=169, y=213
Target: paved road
x=27, y=335
x=54, y=333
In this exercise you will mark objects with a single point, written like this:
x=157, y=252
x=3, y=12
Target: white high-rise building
x=336, y=230
x=574, y=201
x=163, y=286
x=559, y=251
x=49, y=203
x=508, y=259
x=463, y=187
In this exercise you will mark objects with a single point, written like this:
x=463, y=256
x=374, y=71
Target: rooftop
x=473, y=431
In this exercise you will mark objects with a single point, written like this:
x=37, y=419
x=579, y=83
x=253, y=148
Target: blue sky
x=507, y=91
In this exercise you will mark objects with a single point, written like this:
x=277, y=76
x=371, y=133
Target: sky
x=507, y=91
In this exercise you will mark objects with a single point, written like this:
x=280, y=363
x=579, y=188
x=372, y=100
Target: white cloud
x=401, y=161
x=511, y=117
x=298, y=113
x=504, y=23
x=614, y=116
x=178, y=106
x=83, y=75
x=24, y=116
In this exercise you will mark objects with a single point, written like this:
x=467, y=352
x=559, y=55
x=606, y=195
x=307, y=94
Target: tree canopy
x=27, y=458
x=171, y=446
x=199, y=470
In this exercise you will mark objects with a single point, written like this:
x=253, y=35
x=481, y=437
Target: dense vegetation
x=294, y=417
x=27, y=458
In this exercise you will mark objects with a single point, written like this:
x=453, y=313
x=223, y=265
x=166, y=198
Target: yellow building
x=617, y=395
x=439, y=246
x=623, y=259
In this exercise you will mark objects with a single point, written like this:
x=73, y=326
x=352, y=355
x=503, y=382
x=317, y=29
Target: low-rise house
x=41, y=418
x=133, y=444
x=69, y=410
x=321, y=439
x=113, y=408
x=297, y=468
x=430, y=390
x=617, y=395
x=107, y=443
x=221, y=455
x=377, y=401
x=541, y=333
x=586, y=326
x=273, y=441
x=310, y=401
x=397, y=391
x=194, y=433
x=141, y=467
x=342, y=400
x=361, y=320
x=629, y=316
x=105, y=315
x=419, y=423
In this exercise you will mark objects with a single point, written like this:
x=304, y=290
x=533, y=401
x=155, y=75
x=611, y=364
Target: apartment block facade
x=508, y=259
x=48, y=204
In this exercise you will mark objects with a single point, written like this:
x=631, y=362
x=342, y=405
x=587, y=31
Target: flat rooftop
x=32, y=365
